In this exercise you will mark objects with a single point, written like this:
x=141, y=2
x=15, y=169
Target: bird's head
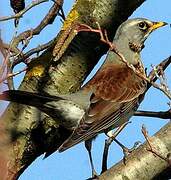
x=137, y=30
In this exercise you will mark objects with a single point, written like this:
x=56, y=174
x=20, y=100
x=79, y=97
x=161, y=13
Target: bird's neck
x=129, y=50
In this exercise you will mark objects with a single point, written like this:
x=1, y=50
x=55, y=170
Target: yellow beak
x=157, y=25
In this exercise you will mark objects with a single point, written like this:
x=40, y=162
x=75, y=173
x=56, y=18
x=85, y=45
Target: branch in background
x=48, y=19
x=163, y=86
x=12, y=75
x=38, y=49
x=163, y=65
x=5, y=67
x=160, y=114
x=27, y=35
x=17, y=6
x=15, y=51
x=21, y=13
x=155, y=73
x=163, y=89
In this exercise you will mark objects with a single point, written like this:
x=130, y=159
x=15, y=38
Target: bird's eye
x=143, y=26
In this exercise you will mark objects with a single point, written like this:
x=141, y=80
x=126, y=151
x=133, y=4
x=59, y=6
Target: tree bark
x=143, y=164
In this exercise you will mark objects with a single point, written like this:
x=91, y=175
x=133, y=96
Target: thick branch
x=142, y=164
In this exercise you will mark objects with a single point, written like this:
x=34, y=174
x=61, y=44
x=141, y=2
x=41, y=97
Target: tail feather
x=27, y=98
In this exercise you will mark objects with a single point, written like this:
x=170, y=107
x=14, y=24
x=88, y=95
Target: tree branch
x=142, y=164
x=163, y=65
x=48, y=19
x=21, y=13
x=33, y=51
x=160, y=114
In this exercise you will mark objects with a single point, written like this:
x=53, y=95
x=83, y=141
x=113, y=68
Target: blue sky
x=74, y=163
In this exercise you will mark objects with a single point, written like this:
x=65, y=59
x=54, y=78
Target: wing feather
x=86, y=130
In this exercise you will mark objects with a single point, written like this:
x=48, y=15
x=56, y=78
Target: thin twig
x=38, y=49
x=12, y=75
x=48, y=19
x=164, y=64
x=151, y=149
x=21, y=13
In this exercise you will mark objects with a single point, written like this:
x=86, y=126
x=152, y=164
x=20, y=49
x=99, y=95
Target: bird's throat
x=136, y=47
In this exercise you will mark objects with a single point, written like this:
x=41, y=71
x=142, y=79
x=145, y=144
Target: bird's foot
x=95, y=176
x=151, y=148
x=127, y=151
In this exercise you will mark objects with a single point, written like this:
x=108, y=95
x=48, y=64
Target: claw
x=127, y=151
x=94, y=177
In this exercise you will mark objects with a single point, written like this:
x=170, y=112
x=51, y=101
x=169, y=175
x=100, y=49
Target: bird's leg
x=88, y=145
x=105, y=154
x=151, y=149
x=112, y=136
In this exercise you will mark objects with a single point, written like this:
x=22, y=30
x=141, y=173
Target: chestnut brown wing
x=116, y=83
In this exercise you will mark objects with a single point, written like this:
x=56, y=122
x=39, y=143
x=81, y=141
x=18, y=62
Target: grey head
x=135, y=31
x=130, y=37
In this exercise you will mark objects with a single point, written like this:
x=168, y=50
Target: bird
x=109, y=98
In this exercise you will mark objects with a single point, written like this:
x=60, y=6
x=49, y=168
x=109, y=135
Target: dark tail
x=28, y=98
